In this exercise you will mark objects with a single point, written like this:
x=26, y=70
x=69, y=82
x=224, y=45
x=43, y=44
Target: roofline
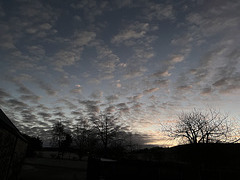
x=12, y=128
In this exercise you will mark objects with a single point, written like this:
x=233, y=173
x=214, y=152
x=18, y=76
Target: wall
x=12, y=153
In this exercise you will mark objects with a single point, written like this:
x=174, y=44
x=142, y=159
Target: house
x=13, y=147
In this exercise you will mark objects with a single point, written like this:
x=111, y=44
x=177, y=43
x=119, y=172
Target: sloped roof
x=6, y=123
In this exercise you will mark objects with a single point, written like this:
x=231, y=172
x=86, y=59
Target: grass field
x=53, y=169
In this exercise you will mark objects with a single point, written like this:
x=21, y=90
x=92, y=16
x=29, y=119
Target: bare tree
x=60, y=138
x=58, y=134
x=107, y=128
x=202, y=127
x=84, y=136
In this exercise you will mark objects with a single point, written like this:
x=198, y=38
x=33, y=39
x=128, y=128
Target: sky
x=145, y=59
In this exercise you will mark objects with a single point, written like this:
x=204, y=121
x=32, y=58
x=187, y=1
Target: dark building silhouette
x=13, y=148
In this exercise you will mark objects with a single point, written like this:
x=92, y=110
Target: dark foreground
x=158, y=171
x=49, y=169
x=53, y=169
x=198, y=162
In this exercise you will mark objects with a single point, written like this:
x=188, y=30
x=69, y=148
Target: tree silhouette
x=34, y=144
x=84, y=136
x=60, y=138
x=108, y=128
x=202, y=127
x=58, y=134
x=66, y=143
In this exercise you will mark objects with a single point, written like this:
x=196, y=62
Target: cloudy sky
x=148, y=60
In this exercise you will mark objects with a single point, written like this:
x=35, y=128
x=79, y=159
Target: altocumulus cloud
x=65, y=60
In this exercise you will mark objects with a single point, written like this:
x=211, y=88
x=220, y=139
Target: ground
x=53, y=169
